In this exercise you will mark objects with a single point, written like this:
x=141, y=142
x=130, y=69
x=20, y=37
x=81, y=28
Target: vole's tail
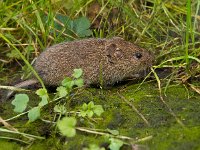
x=23, y=84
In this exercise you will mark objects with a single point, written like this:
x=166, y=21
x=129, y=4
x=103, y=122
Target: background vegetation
x=168, y=28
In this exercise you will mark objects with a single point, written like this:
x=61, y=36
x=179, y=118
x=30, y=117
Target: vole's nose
x=148, y=59
x=151, y=57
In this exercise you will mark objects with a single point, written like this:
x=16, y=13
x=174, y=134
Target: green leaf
x=13, y=54
x=65, y=81
x=77, y=73
x=94, y=147
x=60, y=109
x=91, y=105
x=98, y=110
x=20, y=102
x=84, y=106
x=41, y=92
x=67, y=126
x=113, y=132
x=68, y=82
x=62, y=91
x=81, y=27
x=115, y=144
x=90, y=113
x=34, y=114
x=78, y=26
x=90, y=109
x=44, y=101
x=63, y=19
x=79, y=82
x=83, y=113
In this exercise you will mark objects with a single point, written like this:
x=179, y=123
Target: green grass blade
x=188, y=31
x=24, y=59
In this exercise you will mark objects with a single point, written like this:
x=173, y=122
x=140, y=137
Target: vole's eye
x=138, y=55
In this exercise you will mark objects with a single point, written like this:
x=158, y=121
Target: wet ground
x=171, y=125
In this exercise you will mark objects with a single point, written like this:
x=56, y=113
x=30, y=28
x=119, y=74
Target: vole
x=111, y=59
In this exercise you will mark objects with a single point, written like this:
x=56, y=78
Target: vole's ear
x=113, y=53
x=111, y=48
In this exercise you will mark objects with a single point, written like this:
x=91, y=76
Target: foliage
x=34, y=113
x=170, y=29
x=60, y=109
x=42, y=93
x=90, y=109
x=21, y=100
x=72, y=28
x=115, y=144
x=67, y=126
x=93, y=147
x=68, y=83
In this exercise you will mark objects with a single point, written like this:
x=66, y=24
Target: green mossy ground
x=166, y=132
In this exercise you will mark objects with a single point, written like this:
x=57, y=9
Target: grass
x=160, y=27
x=170, y=29
x=189, y=31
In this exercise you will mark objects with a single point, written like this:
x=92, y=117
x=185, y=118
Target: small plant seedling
x=68, y=83
x=115, y=144
x=77, y=73
x=90, y=109
x=62, y=91
x=20, y=102
x=34, y=114
x=67, y=126
x=60, y=109
x=42, y=93
x=93, y=147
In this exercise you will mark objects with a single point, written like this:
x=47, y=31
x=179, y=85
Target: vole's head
x=128, y=58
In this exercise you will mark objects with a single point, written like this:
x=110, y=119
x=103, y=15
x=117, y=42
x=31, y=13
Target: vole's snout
x=151, y=57
x=148, y=59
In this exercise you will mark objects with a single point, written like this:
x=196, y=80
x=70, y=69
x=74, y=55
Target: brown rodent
x=109, y=60
x=104, y=61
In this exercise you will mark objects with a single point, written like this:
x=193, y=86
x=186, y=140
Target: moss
x=176, y=138
x=8, y=145
x=118, y=115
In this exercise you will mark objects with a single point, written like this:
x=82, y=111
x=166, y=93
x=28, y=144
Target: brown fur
x=109, y=60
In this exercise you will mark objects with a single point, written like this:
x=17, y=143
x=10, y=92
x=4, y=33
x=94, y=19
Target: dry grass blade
x=195, y=88
x=13, y=88
x=119, y=136
x=7, y=125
